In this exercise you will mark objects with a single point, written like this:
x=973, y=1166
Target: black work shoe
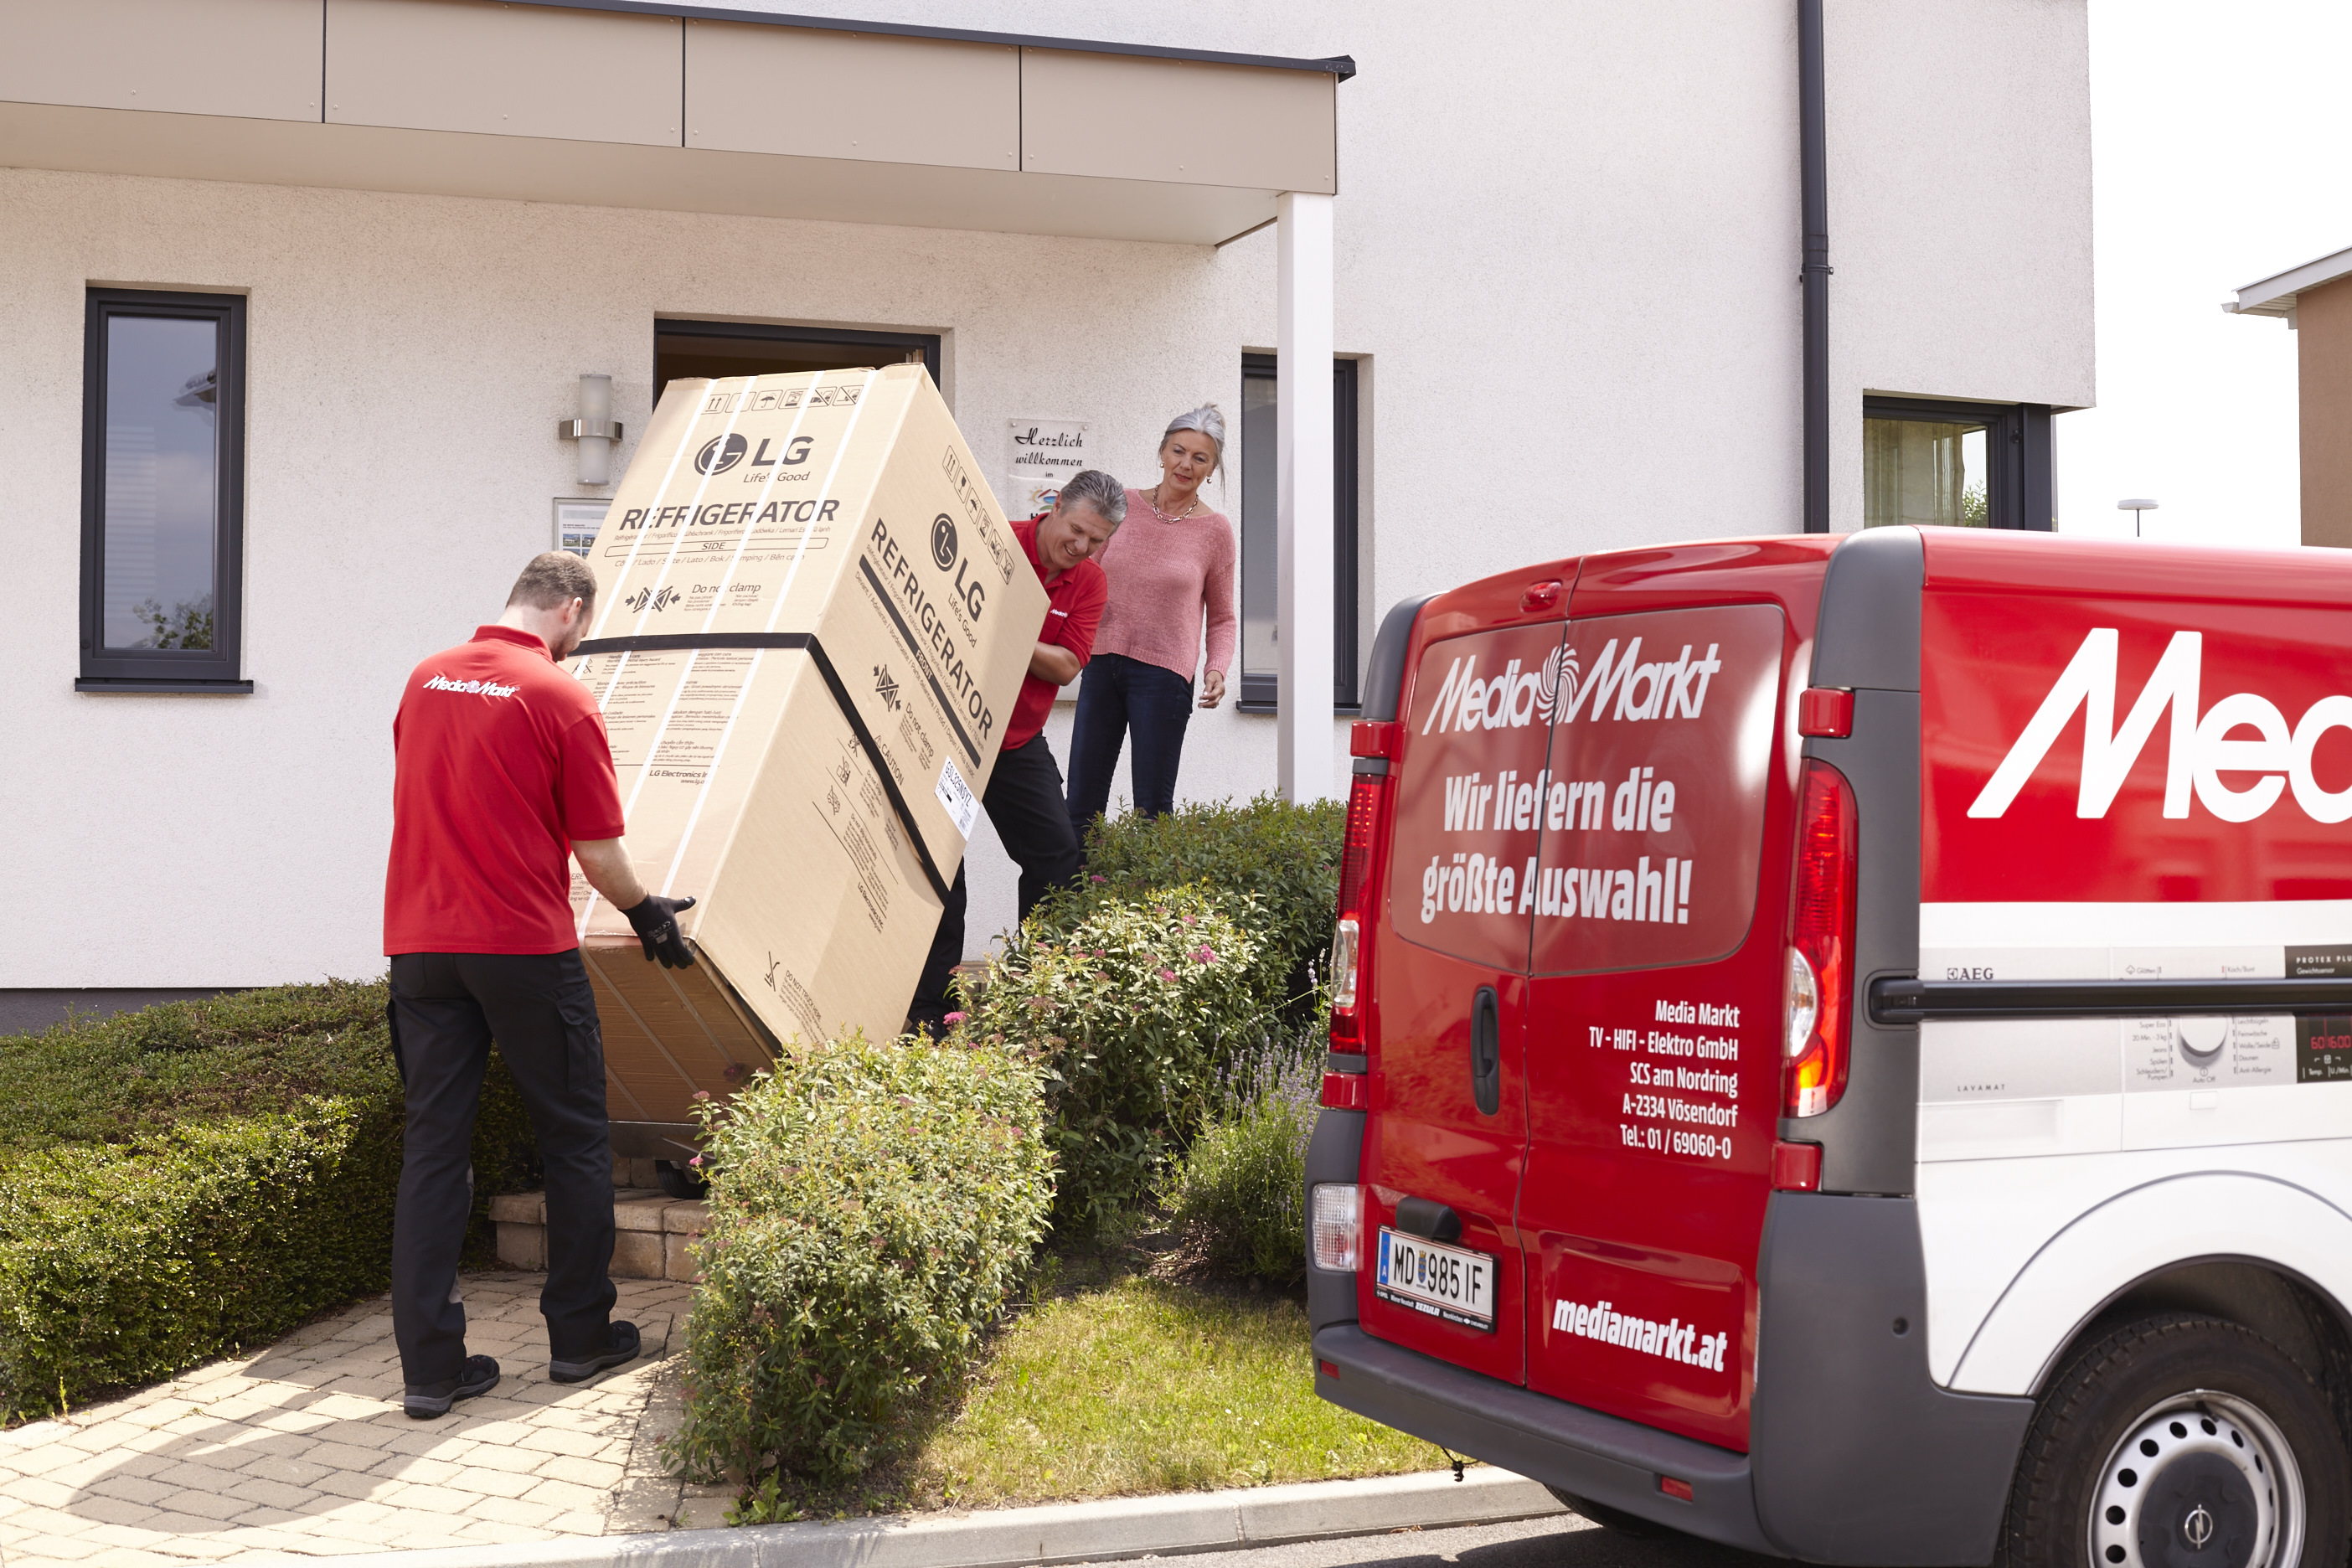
x=623, y=1344
x=424, y=1401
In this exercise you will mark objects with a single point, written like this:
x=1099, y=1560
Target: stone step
x=651, y=1232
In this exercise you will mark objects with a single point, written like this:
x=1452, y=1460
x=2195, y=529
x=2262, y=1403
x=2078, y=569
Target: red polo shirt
x=1074, y=608
x=499, y=761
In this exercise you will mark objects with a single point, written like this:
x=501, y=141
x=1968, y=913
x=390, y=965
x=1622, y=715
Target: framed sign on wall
x=576, y=523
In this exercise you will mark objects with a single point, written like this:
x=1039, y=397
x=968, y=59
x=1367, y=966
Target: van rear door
x=1443, y=1146
x=1654, y=1059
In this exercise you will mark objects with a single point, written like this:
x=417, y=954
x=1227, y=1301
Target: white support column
x=1303, y=595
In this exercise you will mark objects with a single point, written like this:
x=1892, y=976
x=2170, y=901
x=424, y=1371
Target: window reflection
x=1260, y=538
x=161, y=477
x=1923, y=472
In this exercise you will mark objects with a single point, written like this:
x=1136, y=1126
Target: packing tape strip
x=666, y=642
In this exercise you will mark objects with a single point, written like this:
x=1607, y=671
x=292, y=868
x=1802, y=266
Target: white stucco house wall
x=1565, y=243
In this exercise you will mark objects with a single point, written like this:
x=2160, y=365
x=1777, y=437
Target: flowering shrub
x=1239, y=1198
x=1136, y=1008
x=1284, y=857
x=871, y=1207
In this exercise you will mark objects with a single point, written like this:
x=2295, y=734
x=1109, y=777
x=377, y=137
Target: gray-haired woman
x=1171, y=570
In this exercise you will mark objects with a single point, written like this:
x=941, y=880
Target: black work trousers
x=1025, y=802
x=446, y=1008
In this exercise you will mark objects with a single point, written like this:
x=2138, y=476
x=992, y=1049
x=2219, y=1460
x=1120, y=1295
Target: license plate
x=1444, y=1281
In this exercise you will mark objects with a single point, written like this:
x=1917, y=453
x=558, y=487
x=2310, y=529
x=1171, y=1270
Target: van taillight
x=1820, y=977
x=1359, y=895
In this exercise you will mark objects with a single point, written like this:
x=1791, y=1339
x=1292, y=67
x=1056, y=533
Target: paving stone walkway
x=301, y=1450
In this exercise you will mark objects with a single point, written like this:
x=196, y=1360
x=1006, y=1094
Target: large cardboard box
x=811, y=621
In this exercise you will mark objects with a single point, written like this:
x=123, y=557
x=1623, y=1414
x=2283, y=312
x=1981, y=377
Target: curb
x=1168, y=1526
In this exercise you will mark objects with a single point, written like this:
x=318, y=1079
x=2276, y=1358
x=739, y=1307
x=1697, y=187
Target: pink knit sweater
x=1164, y=578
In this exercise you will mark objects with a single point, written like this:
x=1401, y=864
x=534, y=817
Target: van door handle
x=1486, y=1051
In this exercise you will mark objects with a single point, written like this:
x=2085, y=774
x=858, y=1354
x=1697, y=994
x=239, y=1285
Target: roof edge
x=2276, y=296
x=1340, y=65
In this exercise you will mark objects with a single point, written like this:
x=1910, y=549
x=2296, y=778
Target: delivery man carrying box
x=1024, y=792
x=503, y=773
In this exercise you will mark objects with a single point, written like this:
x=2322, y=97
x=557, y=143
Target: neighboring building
x=347, y=260
x=2316, y=299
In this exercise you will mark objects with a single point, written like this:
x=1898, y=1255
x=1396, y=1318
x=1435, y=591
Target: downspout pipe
x=1813, y=155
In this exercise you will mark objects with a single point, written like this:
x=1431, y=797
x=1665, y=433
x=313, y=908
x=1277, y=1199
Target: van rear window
x=1654, y=811
x=1588, y=801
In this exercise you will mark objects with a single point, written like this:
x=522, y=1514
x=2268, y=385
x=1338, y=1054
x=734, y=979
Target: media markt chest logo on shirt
x=470, y=688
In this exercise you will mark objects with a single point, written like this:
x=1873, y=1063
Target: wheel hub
x=2201, y=1480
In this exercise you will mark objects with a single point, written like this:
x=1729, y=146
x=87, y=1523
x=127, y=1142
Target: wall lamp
x=596, y=432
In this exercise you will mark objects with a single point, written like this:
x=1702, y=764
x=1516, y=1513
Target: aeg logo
x=2199, y=750
x=1553, y=691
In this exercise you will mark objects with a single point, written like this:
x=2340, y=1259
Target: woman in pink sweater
x=1171, y=570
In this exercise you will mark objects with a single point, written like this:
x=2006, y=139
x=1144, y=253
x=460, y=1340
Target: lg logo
x=968, y=587
x=721, y=453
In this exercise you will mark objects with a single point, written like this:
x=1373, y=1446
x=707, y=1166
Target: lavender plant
x=1239, y=1198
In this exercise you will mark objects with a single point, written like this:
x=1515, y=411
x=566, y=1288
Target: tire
x=679, y=1182
x=1633, y=1526
x=2180, y=1442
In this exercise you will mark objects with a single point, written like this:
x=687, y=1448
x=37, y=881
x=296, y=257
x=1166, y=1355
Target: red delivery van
x=1843, y=1047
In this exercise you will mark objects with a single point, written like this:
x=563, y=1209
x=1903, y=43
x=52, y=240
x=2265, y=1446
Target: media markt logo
x=470, y=688
x=886, y=686
x=658, y=600
x=719, y=454
x=1553, y=691
x=943, y=541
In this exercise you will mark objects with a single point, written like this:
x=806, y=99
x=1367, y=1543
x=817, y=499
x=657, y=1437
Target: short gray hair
x=1098, y=490
x=1208, y=419
x=552, y=580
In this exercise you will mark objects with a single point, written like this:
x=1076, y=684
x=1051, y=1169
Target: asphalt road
x=1563, y=1541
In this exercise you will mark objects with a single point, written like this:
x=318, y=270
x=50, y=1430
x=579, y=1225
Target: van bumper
x=1566, y=1446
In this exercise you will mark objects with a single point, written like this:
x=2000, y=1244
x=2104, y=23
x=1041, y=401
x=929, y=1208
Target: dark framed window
x=1261, y=558
x=162, y=492
x=749, y=348
x=1956, y=465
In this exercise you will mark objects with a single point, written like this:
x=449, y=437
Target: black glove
x=655, y=923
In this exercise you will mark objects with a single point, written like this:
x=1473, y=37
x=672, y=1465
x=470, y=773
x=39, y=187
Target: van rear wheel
x=2180, y=1442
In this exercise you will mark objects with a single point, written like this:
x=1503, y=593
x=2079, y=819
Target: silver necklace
x=1150, y=499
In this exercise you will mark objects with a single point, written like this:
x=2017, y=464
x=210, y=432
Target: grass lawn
x=1109, y=1381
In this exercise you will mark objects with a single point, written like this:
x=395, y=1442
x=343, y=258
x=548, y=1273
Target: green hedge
x=871, y=1208
x=1284, y=857
x=121, y=1264
x=179, y=1182
x=1137, y=1009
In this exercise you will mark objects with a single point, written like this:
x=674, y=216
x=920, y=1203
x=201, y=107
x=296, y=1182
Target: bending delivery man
x=1024, y=790
x=501, y=773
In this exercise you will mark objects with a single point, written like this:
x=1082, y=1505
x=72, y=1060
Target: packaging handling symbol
x=886, y=686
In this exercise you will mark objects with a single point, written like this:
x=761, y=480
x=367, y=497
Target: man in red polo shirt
x=1024, y=793
x=501, y=775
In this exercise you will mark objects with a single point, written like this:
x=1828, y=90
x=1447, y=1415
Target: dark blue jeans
x=1126, y=699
